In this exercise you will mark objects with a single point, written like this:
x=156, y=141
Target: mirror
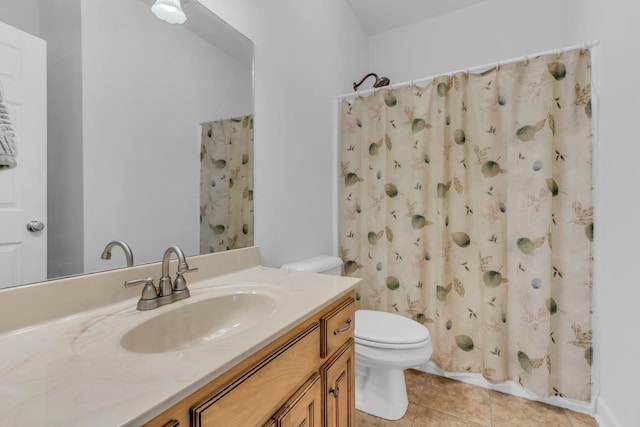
x=133, y=106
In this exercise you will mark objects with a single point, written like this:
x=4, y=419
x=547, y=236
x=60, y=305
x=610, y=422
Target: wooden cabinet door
x=253, y=398
x=304, y=409
x=339, y=388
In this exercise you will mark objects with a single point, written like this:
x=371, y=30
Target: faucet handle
x=186, y=269
x=149, y=298
x=180, y=290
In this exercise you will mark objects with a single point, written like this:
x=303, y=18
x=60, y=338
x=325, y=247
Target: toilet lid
x=387, y=328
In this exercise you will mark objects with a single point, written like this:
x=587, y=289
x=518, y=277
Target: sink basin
x=199, y=323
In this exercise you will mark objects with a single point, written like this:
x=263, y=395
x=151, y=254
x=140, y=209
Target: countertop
x=73, y=370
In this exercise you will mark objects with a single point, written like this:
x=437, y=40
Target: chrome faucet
x=106, y=254
x=178, y=290
x=166, y=292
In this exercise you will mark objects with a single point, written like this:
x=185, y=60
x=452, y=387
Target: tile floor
x=436, y=401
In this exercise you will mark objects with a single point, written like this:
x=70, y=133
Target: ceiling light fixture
x=169, y=10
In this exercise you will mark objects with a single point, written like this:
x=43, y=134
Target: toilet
x=386, y=344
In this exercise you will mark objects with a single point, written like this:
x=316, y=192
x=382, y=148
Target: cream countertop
x=73, y=371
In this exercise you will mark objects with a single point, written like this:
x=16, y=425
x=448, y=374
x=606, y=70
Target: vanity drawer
x=337, y=327
x=252, y=398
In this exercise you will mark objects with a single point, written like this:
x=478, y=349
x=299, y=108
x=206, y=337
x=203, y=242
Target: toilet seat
x=391, y=331
x=376, y=344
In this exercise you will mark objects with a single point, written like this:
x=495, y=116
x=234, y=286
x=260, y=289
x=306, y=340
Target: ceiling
x=378, y=16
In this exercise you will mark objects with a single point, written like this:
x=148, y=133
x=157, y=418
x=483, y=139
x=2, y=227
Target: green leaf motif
x=588, y=231
x=418, y=222
x=392, y=283
x=459, y=137
x=557, y=69
x=390, y=99
x=552, y=306
x=552, y=185
x=442, y=89
x=587, y=109
x=351, y=179
x=461, y=239
x=526, y=133
x=351, y=266
x=525, y=362
x=588, y=355
x=525, y=245
x=464, y=342
x=417, y=125
x=419, y=317
x=490, y=169
x=492, y=279
x=391, y=190
x=218, y=229
x=373, y=237
x=442, y=189
x=374, y=147
x=441, y=293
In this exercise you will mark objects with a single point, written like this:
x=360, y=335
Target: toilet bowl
x=385, y=345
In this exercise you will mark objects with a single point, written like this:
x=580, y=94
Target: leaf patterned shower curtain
x=226, y=184
x=467, y=206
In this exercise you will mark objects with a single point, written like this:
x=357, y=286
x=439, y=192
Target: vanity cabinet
x=304, y=378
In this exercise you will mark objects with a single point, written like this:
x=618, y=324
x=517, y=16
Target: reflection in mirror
x=143, y=119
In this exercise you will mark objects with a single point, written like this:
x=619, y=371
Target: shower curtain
x=226, y=184
x=467, y=206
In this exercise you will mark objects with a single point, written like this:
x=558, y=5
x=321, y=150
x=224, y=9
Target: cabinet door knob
x=334, y=391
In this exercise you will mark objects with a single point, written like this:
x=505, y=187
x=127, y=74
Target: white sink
x=200, y=322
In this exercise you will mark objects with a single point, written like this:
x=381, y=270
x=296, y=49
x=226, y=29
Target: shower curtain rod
x=471, y=70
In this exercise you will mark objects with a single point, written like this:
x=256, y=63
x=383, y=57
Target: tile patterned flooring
x=436, y=401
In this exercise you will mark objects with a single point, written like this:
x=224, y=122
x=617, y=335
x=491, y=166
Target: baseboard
x=516, y=389
x=604, y=416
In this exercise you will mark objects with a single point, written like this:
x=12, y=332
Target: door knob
x=34, y=226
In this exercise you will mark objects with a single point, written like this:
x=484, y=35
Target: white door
x=23, y=189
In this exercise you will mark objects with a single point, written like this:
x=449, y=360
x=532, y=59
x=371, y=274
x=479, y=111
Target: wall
x=305, y=54
x=486, y=32
x=22, y=14
x=616, y=289
x=156, y=150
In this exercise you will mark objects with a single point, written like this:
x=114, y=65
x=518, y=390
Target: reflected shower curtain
x=467, y=206
x=226, y=184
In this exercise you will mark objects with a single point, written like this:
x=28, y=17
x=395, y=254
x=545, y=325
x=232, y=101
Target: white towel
x=8, y=149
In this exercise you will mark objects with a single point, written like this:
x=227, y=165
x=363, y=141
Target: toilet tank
x=324, y=264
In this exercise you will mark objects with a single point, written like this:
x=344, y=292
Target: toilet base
x=381, y=392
